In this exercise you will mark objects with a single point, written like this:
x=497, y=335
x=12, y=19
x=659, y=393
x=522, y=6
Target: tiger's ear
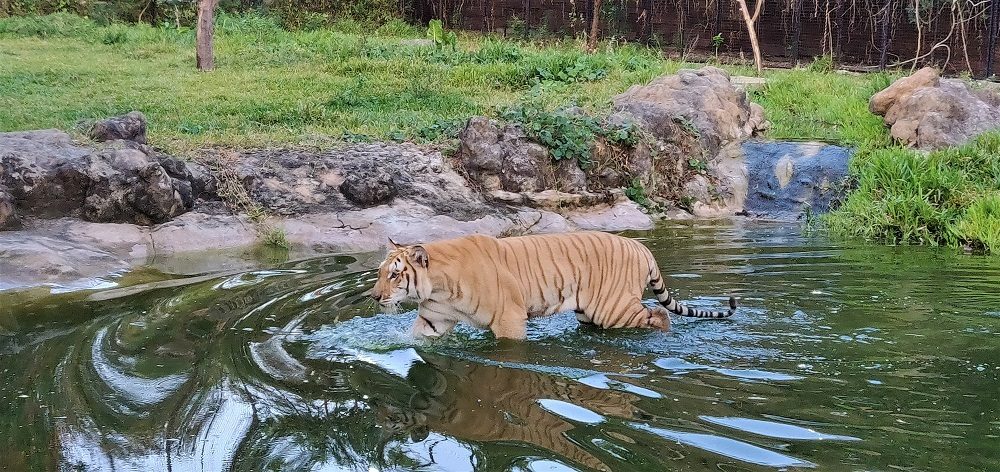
x=394, y=245
x=419, y=256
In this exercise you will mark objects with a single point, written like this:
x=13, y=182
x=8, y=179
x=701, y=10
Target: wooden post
x=204, y=53
x=751, y=22
x=595, y=26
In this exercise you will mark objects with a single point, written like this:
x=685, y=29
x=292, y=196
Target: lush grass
x=947, y=197
x=274, y=86
x=350, y=81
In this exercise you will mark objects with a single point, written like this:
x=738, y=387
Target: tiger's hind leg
x=637, y=315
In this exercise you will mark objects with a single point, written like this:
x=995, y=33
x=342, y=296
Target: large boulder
x=702, y=102
x=928, y=112
x=501, y=157
x=130, y=127
x=46, y=175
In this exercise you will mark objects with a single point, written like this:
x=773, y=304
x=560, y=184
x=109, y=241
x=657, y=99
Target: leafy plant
x=275, y=237
x=441, y=38
x=566, y=135
x=717, y=42
x=698, y=165
x=637, y=193
x=580, y=70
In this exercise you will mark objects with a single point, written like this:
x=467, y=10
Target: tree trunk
x=203, y=35
x=751, y=21
x=595, y=26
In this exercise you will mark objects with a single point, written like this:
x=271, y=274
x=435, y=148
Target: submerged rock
x=928, y=112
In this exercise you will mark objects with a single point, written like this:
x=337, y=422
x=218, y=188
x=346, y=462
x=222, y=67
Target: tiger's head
x=402, y=276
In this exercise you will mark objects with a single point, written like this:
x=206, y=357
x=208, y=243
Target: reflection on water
x=842, y=358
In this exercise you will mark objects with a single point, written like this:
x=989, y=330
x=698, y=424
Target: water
x=842, y=358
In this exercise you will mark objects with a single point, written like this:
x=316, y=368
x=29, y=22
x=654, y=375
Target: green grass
x=949, y=197
x=274, y=87
x=278, y=87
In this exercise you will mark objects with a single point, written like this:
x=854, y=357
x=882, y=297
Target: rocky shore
x=73, y=210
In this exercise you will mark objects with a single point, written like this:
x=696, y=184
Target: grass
x=278, y=87
x=274, y=87
x=949, y=197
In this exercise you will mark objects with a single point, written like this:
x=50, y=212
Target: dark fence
x=956, y=35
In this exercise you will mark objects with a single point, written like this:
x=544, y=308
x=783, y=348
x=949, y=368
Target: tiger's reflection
x=477, y=402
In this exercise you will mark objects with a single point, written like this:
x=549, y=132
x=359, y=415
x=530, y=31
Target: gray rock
x=130, y=127
x=368, y=186
x=8, y=216
x=702, y=101
x=928, y=112
x=296, y=182
x=48, y=176
x=498, y=157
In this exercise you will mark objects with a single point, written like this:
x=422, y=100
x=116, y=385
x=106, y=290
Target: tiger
x=501, y=283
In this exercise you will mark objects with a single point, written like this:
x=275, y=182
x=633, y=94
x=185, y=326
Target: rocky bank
x=76, y=210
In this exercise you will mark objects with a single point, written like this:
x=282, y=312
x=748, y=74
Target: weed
x=698, y=165
x=717, y=42
x=822, y=64
x=274, y=237
x=637, y=193
x=566, y=135
x=441, y=38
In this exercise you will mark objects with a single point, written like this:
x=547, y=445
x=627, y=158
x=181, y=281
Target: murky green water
x=844, y=358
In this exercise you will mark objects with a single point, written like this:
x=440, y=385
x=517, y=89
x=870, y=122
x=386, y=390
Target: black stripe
x=659, y=291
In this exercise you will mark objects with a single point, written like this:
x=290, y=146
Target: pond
x=842, y=357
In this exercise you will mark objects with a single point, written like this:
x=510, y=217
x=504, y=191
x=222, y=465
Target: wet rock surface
x=929, y=112
x=772, y=180
x=786, y=180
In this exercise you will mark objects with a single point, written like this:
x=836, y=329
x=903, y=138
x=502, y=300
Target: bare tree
x=595, y=26
x=751, y=22
x=203, y=36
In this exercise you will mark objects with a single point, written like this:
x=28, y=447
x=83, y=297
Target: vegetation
x=351, y=81
x=947, y=197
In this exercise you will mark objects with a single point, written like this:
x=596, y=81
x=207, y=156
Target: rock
x=8, y=217
x=130, y=127
x=702, y=101
x=501, y=158
x=295, y=182
x=38, y=260
x=620, y=216
x=48, y=176
x=772, y=180
x=788, y=179
x=928, y=112
x=722, y=190
x=368, y=186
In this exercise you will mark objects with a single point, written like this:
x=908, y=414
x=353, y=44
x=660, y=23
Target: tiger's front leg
x=432, y=323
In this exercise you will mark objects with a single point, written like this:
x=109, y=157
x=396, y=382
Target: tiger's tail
x=678, y=308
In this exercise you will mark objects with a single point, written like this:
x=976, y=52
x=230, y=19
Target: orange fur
x=500, y=283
